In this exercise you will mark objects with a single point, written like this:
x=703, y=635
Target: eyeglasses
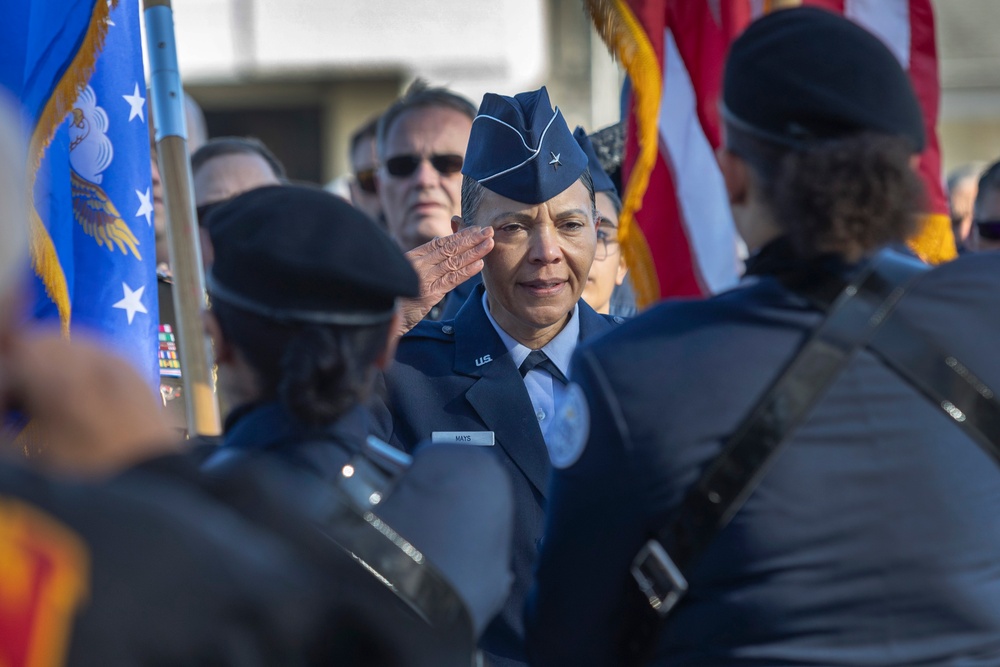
x=203, y=211
x=366, y=180
x=606, y=243
x=989, y=229
x=402, y=166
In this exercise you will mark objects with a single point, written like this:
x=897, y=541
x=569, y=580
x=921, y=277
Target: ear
x=383, y=360
x=456, y=223
x=736, y=175
x=225, y=353
x=622, y=272
x=378, y=184
x=207, y=250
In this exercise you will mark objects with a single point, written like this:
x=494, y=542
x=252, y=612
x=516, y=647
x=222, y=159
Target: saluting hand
x=91, y=411
x=442, y=265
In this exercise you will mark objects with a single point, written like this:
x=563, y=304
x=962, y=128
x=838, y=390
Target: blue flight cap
x=602, y=182
x=521, y=149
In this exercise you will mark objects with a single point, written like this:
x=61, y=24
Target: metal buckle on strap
x=371, y=475
x=393, y=461
x=658, y=577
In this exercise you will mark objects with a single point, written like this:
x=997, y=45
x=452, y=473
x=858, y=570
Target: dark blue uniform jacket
x=439, y=505
x=457, y=376
x=269, y=428
x=874, y=539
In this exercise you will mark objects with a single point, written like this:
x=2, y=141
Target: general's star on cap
x=145, y=206
x=555, y=160
x=136, y=103
x=131, y=303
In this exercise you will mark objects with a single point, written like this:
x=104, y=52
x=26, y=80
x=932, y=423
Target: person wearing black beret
x=117, y=550
x=303, y=316
x=495, y=376
x=801, y=470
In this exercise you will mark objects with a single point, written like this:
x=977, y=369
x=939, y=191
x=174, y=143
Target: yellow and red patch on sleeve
x=44, y=575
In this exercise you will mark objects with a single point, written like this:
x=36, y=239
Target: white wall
x=472, y=45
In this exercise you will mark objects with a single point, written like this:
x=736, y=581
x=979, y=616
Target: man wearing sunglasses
x=364, y=163
x=985, y=233
x=421, y=147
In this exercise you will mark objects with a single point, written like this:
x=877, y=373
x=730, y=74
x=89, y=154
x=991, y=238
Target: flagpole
x=182, y=235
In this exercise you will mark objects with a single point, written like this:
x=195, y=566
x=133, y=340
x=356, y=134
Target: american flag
x=676, y=228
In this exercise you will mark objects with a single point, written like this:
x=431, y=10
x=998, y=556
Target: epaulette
x=444, y=330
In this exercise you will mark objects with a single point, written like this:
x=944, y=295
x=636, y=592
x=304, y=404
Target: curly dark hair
x=318, y=372
x=847, y=195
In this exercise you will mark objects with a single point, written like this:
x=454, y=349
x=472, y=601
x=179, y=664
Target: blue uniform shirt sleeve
x=577, y=608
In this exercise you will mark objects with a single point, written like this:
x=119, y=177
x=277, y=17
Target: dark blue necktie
x=537, y=359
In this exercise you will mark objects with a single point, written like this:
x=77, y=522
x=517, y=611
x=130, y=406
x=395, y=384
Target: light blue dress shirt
x=546, y=393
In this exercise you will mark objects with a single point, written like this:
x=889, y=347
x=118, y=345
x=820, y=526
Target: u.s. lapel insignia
x=482, y=361
x=567, y=437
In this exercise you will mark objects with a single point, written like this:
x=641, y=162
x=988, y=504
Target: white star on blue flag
x=145, y=206
x=136, y=103
x=131, y=303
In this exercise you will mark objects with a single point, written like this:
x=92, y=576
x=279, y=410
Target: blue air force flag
x=100, y=208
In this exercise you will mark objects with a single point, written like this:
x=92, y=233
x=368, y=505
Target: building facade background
x=303, y=74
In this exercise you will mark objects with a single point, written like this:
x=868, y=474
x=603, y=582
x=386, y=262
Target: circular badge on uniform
x=568, y=434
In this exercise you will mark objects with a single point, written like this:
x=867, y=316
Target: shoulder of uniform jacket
x=425, y=329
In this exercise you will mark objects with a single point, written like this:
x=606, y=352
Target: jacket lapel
x=498, y=395
x=592, y=323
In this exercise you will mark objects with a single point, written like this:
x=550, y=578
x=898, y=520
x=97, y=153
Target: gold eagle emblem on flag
x=91, y=152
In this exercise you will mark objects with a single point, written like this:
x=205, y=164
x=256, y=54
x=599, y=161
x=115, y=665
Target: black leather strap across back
x=855, y=315
x=860, y=316
x=348, y=518
x=944, y=379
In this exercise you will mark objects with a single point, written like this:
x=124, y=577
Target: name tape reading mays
x=481, y=438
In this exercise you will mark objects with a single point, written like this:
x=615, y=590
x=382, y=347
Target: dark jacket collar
x=498, y=395
x=268, y=425
x=478, y=345
x=779, y=259
x=819, y=279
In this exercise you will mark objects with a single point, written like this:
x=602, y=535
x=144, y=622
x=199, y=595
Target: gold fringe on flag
x=44, y=259
x=935, y=242
x=628, y=42
x=771, y=5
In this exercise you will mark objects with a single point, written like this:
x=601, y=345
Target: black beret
x=299, y=254
x=805, y=74
x=609, y=146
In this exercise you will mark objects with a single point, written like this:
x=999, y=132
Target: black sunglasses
x=404, y=165
x=989, y=229
x=203, y=211
x=366, y=180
